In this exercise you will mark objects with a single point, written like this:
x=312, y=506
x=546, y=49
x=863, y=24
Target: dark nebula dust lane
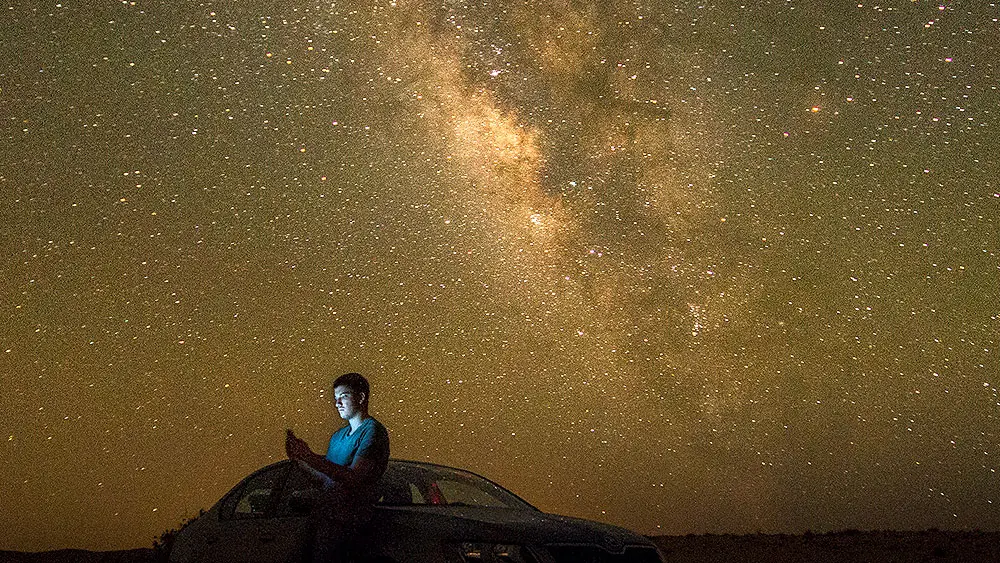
x=678, y=266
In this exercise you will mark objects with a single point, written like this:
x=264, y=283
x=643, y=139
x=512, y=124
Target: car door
x=290, y=527
x=250, y=528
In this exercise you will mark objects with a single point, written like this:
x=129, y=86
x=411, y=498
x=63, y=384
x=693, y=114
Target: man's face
x=348, y=402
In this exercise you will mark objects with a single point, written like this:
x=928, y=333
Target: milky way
x=678, y=266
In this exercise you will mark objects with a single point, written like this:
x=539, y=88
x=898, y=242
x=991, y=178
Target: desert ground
x=842, y=547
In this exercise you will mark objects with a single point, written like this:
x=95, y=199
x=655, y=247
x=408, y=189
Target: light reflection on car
x=425, y=513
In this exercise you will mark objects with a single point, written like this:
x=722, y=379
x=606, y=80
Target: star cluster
x=702, y=266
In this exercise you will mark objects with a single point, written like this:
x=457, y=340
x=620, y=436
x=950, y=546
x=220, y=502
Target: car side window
x=229, y=502
x=395, y=489
x=300, y=493
x=255, y=498
x=415, y=495
x=457, y=492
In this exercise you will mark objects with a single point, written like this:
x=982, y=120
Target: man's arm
x=363, y=472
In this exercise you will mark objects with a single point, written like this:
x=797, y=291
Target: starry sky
x=680, y=266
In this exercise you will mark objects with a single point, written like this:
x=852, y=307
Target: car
x=426, y=513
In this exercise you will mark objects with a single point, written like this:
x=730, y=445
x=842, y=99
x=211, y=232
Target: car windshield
x=406, y=484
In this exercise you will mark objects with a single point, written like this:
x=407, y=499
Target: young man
x=355, y=460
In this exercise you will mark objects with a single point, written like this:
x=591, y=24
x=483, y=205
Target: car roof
x=396, y=461
x=413, y=463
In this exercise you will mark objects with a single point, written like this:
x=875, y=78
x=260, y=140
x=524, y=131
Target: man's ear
x=364, y=399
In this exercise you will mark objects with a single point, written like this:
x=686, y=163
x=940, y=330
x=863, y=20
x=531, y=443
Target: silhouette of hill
x=142, y=555
x=850, y=546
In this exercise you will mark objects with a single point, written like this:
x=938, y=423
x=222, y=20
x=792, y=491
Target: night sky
x=683, y=267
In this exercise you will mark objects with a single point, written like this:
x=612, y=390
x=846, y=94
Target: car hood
x=450, y=523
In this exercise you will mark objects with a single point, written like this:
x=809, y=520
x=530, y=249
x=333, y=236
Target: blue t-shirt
x=370, y=440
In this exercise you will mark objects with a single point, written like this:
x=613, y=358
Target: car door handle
x=266, y=538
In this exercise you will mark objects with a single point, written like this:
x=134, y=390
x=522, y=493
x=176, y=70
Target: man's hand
x=297, y=448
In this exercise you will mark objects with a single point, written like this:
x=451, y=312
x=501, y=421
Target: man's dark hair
x=355, y=382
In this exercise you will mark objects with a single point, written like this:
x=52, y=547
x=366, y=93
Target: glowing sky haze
x=711, y=266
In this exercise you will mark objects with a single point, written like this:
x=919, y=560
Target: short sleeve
x=374, y=443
